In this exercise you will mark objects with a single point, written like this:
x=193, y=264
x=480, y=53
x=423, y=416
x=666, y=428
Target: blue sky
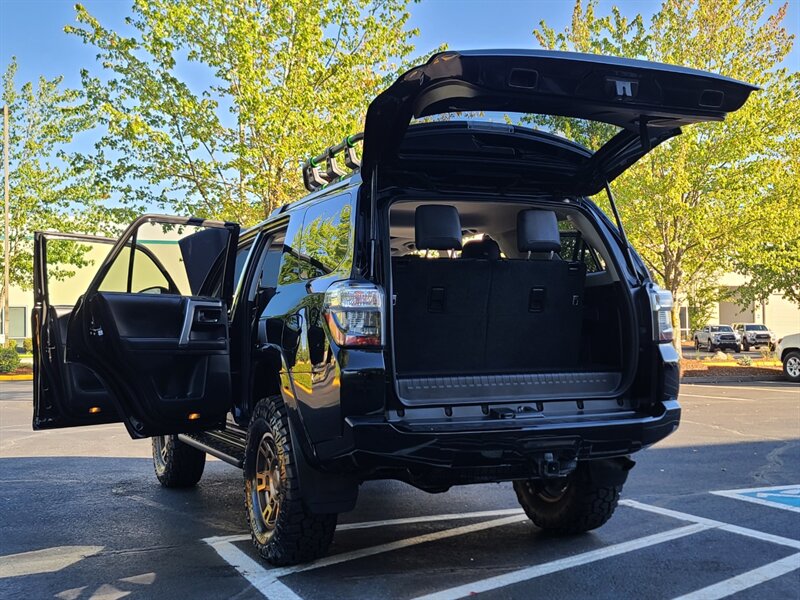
x=32, y=29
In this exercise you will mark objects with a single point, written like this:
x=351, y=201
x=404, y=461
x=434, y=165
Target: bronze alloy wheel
x=160, y=443
x=266, y=485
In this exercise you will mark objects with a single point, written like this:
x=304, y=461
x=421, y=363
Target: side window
x=70, y=266
x=266, y=278
x=575, y=248
x=321, y=244
x=167, y=258
x=327, y=229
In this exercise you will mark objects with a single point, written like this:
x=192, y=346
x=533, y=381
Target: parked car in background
x=788, y=350
x=755, y=335
x=713, y=337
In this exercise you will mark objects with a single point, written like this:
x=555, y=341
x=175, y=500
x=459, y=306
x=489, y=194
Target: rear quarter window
x=322, y=244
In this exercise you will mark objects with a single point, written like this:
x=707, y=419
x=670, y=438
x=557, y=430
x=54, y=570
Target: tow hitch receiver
x=550, y=467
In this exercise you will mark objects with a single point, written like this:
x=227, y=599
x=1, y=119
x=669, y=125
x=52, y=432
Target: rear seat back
x=485, y=315
x=535, y=309
x=440, y=307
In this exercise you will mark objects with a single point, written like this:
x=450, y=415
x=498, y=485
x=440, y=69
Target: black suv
x=455, y=311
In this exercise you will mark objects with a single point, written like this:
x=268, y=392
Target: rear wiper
x=623, y=238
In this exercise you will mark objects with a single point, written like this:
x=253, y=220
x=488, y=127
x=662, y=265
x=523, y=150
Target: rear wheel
x=177, y=465
x=569, y=506
x=283, y=530
x=791, y=366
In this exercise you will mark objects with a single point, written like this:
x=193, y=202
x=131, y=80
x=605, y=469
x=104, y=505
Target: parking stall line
x=711, y=523
x=787, y=388
x=685, y=395
x=265, y=580
x=493, y=583
x=746, y=580
x=430, y=518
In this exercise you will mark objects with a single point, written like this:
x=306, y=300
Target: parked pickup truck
x=713, y=337
x=755, y=335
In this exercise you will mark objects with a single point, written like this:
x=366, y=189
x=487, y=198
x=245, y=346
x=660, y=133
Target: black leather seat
x=535, y=304
x=441, y=303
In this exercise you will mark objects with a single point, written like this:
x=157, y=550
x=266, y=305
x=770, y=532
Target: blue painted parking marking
x=786, y=497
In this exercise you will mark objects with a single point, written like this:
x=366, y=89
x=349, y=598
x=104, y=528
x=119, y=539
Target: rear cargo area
x=510, y=314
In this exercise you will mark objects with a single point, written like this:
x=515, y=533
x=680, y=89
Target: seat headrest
x=437, y=227
x=485, y=248
x=537, y=231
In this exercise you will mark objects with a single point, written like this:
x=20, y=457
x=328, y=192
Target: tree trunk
x=676, y=325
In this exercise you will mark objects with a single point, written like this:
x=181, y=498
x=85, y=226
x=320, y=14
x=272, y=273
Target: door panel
x=65, y=394
x=160, y=352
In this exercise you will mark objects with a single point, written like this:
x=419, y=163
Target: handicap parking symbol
x=786, y=497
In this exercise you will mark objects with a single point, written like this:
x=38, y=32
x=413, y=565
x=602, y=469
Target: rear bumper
x=376, y=443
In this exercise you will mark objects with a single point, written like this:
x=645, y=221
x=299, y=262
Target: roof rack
x=314, y=178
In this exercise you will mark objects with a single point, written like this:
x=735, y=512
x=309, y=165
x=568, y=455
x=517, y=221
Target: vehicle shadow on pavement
x=147, y=540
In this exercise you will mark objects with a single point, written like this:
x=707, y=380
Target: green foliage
x=50, y=188
x=9, y=343
x=27, y=346
x=694, y=206
x=9, y=360
x=744, y=361
x=290, y=78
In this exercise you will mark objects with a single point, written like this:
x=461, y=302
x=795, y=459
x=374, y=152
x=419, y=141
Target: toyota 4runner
x=455, y=311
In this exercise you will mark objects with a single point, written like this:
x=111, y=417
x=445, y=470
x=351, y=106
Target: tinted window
x=321, y=244
x=756, y=327
x=267, y=275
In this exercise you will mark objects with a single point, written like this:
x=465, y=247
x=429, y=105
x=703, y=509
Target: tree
x=50, y=188
x=687, y=205
x=288, y=79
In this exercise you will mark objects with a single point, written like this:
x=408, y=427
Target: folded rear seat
x=535, y=309
x=440, y=307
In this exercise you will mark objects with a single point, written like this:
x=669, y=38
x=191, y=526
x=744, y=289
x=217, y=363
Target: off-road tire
x=746, y=346
x=581, y=507
x=789, y=369
x=177, y=465
x=297, y=535
x=697, y=344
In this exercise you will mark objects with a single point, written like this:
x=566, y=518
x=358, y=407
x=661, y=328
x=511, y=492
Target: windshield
x=755, y=327
x=721, y=328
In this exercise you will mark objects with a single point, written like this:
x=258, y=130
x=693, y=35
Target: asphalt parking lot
x=82, y=516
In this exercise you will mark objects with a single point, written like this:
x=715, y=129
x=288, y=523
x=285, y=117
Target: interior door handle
x=207, y=315
x=198, y=312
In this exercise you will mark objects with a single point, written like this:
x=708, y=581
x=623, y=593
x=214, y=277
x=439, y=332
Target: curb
x=16, y=377
x=732, y=379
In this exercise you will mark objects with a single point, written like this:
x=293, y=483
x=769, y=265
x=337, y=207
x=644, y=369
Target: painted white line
x=764, y=501
x=578, y=560
x=746, y=580
x=386, y=523
x=778, y=388
x=48, y=560
x=427, y=519
x=685, y=395
x=265, y=580
x=745, y=531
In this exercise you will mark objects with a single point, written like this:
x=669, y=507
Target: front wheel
x=177, y=465
x=568, y=506
x=283, y=530
x=791, y=366
x=697, y=344
x=746, y=345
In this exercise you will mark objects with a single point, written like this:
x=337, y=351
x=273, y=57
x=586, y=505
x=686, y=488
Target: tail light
x=354, y=313
x=661, y=302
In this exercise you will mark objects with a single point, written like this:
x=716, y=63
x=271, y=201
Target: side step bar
x=227, y=445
